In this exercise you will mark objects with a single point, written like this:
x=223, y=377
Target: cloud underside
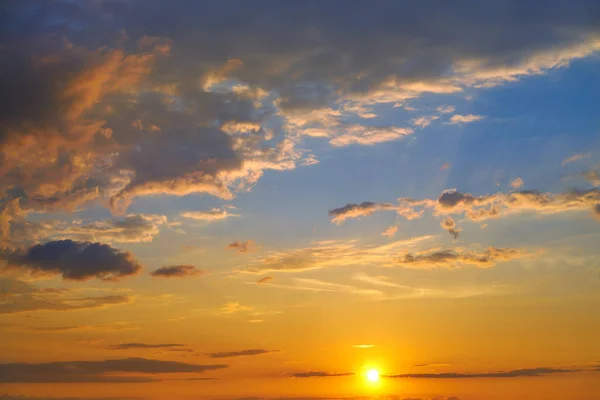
x=478, y=208
x=175, y=271
x=86, y=117
x=400, y=253
x=118, y=370
x=320, y=374
x=72, y=260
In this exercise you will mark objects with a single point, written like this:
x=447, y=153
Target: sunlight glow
x=373, y=375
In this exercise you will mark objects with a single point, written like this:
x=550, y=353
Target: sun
x=373, y=375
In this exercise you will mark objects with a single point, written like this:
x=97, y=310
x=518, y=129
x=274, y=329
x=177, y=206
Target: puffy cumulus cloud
x=516, y=183
x=439, y=258
x=175, y=271
x=320, y=374
x=390, y=231
x=243, y=246
x=17, y=296
x=450, y=225
x=118, y=370
x=135, y=345
x=88, y=113
x=517, y=373
x=464, y=119
x=264, y=279
x=215, y=214
x=425, y=121
x=73, y=260
x=330, y=253
x=574, y=158
x=240, y=353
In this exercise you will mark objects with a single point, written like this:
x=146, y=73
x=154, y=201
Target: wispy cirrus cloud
x=240, y=353
x=215, y=214
x=517, y=373
x=575, y=157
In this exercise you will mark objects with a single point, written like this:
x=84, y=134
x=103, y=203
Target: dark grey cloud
x=134, y=345
x=338, y=215
x=175, y=271
x=459, y=257
x=240, y=353
x=74, y=260
x=319, y=374
x=17, y=296
x=97, y=371
x=525, y=372
x=242, y=246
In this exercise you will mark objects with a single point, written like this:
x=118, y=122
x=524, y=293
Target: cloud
x=134, y=228
x=240, y=353
x=320, y=374
x=17, y=296
x=465, y=119
x=134, y=345
x=264, y=279
x=115, y=327
x=242, y=247
x=517, y=373
x=516, y=183
x=390, y=231
x=175, y=271
x=445, y=166
x=339, y=215
x=215, y=214
x=73, y=260
x=327, y=254
x=118, y=370
x=445, y=109
x=368, y=135
x=575, y=157
x=423, y=122
x=459, y=257
x=234, y=307
x=592, y=176
x=449, y=225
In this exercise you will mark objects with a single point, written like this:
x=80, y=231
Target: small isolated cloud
x=517, y=373
x=445, y=166
x=575, y=157
x=445, y=109
x=516, y=183
x=137, y=370
x=264, y=280
x=450, y=225
x=215, y=214
x=465, y=119
x=242, y=247
x=78, y=261
x=368, y=135
x=459, y=257
x=592, y=176
x=390, y=231
x=233, y=307
x=320, y=374
x=363, y=346
x=135, y=345
x=175, y=271
x=339, y=215
x=240, y=353
x=423, y=122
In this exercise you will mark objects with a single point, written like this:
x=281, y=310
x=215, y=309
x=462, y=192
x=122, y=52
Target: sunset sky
x=299, y=200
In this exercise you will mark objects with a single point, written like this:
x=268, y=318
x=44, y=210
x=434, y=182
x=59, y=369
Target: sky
x=299, y=200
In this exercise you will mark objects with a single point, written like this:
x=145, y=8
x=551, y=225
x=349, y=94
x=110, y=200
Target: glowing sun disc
x=373, y=375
